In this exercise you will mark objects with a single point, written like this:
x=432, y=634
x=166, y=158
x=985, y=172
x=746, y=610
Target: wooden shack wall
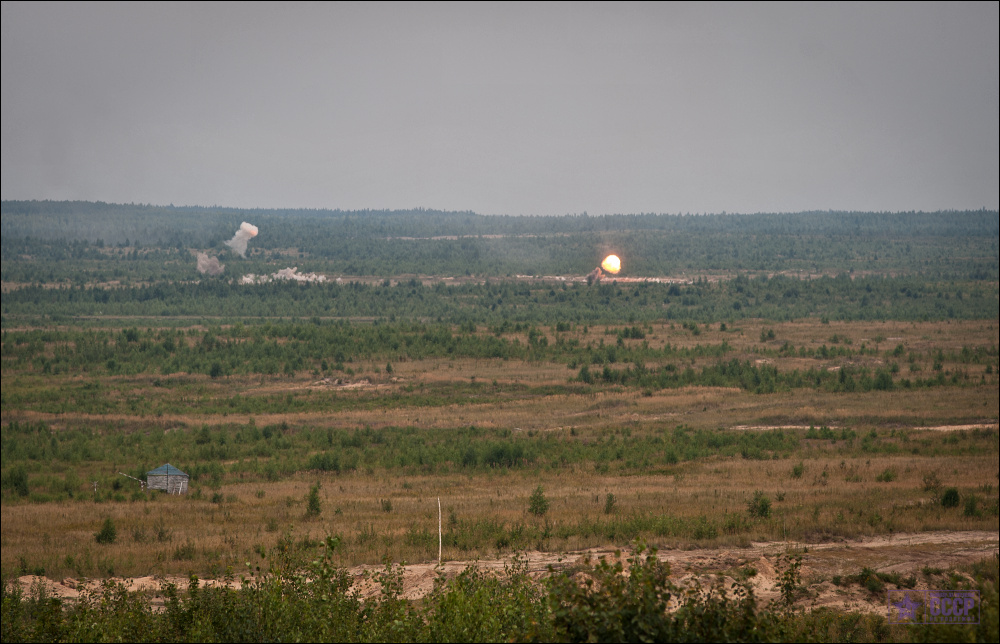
x=171, y=484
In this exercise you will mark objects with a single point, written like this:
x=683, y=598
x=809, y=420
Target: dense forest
x=779, y=298
x=56, y=241
x=73, y=259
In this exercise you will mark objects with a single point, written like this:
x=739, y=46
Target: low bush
x=623, y=600
x=888, y=475
x=759, y=506
x=108, y=533
x=537, y=503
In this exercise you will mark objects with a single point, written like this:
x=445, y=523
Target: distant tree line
x=492, y=303
x=92, y=238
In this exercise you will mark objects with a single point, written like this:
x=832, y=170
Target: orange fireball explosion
x=612, y=264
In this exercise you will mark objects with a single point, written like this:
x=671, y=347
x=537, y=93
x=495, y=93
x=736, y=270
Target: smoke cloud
x=291, y=274
x=209, y=265
x=239, y=241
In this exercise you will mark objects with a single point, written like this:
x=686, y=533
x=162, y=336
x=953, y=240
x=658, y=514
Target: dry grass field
x=701, y=505
x=905, y=448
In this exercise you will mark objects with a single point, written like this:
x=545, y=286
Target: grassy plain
x=388, y=436
x=381, y=515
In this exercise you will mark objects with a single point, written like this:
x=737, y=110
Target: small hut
x=167, y=478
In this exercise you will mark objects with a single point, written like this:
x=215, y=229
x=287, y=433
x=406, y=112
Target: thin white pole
x=439, y=531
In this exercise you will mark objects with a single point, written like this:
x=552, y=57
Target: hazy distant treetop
x=201, y=226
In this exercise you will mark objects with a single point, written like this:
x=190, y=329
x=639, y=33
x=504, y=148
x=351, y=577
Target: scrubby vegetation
x=292, y=600
x=784, y=377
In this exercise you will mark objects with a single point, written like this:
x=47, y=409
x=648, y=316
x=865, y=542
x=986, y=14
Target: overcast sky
x=504, y=108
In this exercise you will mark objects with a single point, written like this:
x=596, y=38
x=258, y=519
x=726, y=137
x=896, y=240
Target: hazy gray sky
x=504, y=108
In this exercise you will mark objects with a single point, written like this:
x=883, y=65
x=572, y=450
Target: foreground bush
x=645, y=606
x=629, y=601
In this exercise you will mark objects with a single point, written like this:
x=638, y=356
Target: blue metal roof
x=167, y=469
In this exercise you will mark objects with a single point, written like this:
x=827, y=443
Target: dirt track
x=906, y=554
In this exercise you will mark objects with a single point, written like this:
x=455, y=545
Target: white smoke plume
x=289, y=274
x=209, y=265
x=239, y=241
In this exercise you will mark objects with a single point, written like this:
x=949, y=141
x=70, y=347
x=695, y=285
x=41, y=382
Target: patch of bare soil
x=759, y=428
x=761, y=563
x=904, y=554
x=937, y=428
x=959, y=428
x=339, y=383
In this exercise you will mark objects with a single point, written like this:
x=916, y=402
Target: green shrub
x=790, y=580
x=609, y=503
x=735, y=524
x=108, y=533
x=888, y=475
x=537, y=503
x=759, y=506
x=870, y=580
x=185, y=551
x=478, y=606
x=609, y=606
x=16, y=480
x=296, y=600
x=313, y=505
x=950, y=498
x=163, y=534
